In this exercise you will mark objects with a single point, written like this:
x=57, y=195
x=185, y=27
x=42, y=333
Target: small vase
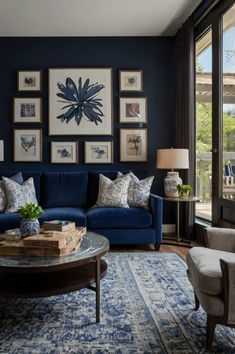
x=29, y=227
x=171, y=182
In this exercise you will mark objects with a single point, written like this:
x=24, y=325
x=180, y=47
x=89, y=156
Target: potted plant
x=184, y=190
x=29, y=224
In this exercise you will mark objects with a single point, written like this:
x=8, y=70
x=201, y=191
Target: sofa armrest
x=156, y=205
x=228, y=274
x=220, y=239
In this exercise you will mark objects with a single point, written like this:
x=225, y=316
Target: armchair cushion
x=204, y=269
x=221, y=239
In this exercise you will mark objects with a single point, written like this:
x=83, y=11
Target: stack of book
x=57, y=238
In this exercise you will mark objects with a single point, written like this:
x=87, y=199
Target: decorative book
x=58, y=225
x=54, y=239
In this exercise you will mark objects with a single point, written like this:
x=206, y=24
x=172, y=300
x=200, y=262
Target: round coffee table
x=22, y=276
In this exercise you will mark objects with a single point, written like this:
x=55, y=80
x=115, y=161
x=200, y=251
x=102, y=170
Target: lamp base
x=171, y=182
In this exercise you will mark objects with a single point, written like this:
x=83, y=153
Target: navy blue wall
x=155, y=56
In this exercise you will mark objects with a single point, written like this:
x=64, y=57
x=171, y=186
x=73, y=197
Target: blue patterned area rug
x=147, y=307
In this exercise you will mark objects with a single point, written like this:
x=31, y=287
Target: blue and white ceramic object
x=29, y=227
x=171, y=182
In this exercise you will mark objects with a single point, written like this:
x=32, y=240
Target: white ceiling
x=93, y=17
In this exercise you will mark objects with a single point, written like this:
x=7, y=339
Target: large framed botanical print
x=27, y=145
x=80, y=101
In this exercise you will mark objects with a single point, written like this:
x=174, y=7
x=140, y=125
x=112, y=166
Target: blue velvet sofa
x=70, y=196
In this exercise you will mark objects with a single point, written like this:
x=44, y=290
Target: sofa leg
x=157, y=247
x=197, y=303
x=210, y=330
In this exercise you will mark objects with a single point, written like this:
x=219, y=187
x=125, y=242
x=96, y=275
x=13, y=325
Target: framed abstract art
x=80, y=101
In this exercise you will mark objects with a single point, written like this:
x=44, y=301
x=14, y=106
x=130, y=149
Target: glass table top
x=92, y=245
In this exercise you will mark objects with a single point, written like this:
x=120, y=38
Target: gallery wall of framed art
x=38, y=55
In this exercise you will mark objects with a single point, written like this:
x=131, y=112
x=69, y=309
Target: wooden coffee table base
x=16, y=284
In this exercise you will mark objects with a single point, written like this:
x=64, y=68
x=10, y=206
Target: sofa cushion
x=9, y=221
x=72, y=214
x=18, y=178
x=18, y=195
x=138, y=191
x=67, y=189
x=204, y=267
x=93, y=182
x=122, y=218
x=37, y=183
x=113, y=193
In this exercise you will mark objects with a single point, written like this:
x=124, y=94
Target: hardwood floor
x=182, y=251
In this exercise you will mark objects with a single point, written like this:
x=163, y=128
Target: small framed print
x=131, y=80
x=29, y=80
x=133, y=110
x=27, y=110
x=98, y=152
x=133, y=145
x=27, y=145
x=64, y=152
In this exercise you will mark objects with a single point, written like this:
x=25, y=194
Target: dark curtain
x=185, y=124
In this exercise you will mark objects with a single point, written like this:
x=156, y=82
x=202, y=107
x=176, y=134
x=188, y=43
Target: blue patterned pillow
x=138, y=191
x=18, y=178
x=113, y=193
x=18, y=195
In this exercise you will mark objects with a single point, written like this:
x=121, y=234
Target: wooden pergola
x=204, y=87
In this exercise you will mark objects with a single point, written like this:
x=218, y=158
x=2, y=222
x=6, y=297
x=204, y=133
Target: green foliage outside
x=204, y=144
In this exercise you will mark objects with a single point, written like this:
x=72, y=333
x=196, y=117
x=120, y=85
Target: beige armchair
x=211, y=272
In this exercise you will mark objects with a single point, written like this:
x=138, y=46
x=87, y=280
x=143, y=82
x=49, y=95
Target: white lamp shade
x=1, y=150
x=169, y=159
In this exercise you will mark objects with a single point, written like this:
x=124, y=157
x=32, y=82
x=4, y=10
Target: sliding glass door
x=215, y=116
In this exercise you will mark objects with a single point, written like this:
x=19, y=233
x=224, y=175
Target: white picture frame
x=133, y=145
x=29, y=80
x=27, y=110
x=87, y=114
x=133, y=110
x=27, y=145
x=64, y=152
x=131, y=80
x=98, y=152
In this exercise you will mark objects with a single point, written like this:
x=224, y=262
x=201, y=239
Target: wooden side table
x=190, y=199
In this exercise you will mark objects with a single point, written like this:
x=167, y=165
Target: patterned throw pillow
x=113, y=193
x=18, y=178
x=18, y=195
x=138, y=191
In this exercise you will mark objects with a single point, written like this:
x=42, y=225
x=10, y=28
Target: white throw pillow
x=18, y=195
x=138, y=191
x=17, y=178
x=113, y=193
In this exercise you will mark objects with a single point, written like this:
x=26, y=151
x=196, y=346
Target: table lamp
x=1, y=150
x=170, y=159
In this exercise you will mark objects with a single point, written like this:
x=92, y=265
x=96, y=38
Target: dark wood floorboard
x=182, y=251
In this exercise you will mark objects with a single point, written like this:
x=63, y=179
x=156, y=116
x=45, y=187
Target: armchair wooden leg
x=210, y=330
x=157, y=247
x=197, y=303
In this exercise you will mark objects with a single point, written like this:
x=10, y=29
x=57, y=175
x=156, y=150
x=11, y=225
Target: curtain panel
x=185, y=111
